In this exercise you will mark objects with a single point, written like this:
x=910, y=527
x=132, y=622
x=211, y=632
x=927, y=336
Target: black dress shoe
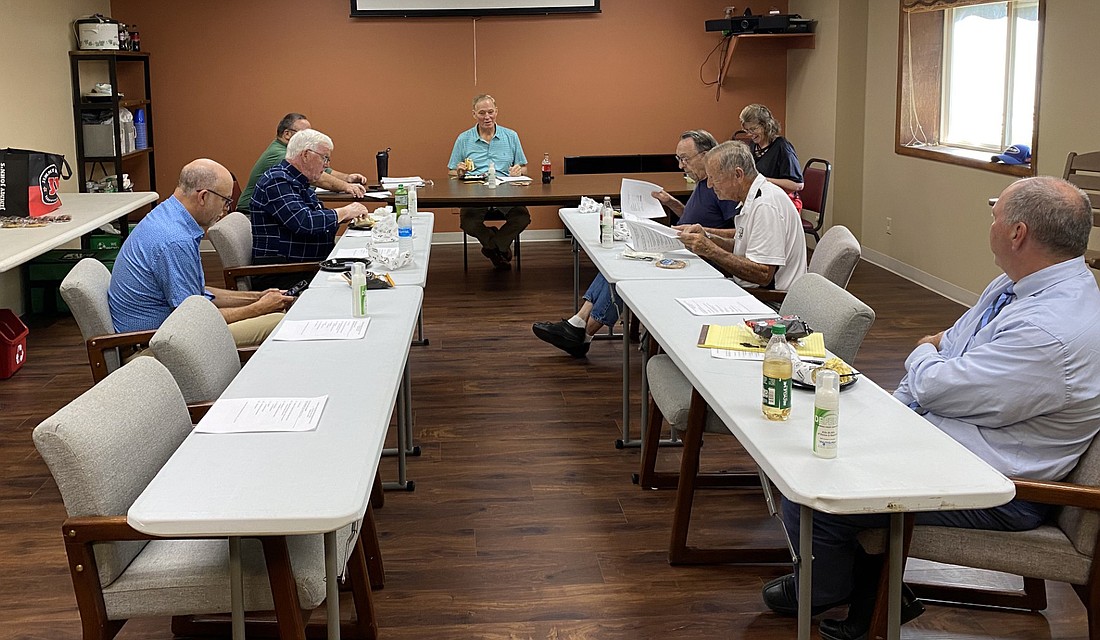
x=562, y=335
x=496, y=257
x=858, y=622
x=781, y=596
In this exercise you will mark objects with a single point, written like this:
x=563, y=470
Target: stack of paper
x=652, y=237
x=636, y=198
x=391, y=183
x=739, y=337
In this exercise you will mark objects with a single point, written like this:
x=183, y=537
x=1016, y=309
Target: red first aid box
x=13, y=343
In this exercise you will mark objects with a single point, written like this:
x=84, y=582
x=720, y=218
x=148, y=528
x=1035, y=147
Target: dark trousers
x=472, y=221
x=835, y=544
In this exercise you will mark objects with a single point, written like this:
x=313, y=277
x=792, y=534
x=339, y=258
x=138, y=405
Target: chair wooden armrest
x=1093, y=258
x=244, y=353
x=198, y=410
x=99, y=345
x=1064, y=494
x=233, y=273
x=768, y=295
x=87, y=529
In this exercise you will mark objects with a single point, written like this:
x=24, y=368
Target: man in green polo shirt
x=353, y=183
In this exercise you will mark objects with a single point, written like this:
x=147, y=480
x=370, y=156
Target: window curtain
x=920, y=6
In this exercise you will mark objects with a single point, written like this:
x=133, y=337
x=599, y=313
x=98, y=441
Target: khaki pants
x=253, y=331
x=516, y=219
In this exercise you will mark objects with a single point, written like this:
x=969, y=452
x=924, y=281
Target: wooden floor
x=524, y=523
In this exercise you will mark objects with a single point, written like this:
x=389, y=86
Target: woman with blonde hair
x=775, y=157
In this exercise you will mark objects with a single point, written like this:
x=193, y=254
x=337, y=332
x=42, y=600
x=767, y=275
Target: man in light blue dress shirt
x=1016, y=380
x=474, y=149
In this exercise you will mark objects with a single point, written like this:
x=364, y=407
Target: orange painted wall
x=626, y=80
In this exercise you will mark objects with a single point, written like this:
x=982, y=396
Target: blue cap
x=1016, y=154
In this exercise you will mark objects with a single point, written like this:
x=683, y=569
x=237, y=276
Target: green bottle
x=401, y=199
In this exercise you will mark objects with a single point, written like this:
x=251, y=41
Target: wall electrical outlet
x=889, y=222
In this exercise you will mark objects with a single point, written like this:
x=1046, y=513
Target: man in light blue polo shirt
x=474, y=149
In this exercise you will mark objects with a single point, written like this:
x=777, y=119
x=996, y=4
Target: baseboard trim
x=928, y=281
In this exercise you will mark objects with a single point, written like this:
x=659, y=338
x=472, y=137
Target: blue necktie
x=1000, y=303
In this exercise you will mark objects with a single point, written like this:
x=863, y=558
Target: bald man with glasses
x=159, y=265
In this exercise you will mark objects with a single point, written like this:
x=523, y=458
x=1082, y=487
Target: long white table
x=891, y=460
x=585, y=230
x=273, y=484
x=89, y=211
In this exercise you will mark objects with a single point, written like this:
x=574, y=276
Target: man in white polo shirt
x=768, y=247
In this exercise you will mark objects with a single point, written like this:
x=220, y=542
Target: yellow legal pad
x=738, y=337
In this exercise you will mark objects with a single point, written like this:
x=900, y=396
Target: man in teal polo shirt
x=474, y=149
x=353, y=183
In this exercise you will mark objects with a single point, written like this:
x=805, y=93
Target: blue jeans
x=605, y=307
x=835, y=544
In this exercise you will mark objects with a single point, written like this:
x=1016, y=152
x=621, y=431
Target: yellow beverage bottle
x=776, y=401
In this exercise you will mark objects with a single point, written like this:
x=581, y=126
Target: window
x=968, y=74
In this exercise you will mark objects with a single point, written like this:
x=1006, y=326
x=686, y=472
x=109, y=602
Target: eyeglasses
x=752, y=128
x=324, y=157
x=226, y=205
x=682, y=160
x=482, y=114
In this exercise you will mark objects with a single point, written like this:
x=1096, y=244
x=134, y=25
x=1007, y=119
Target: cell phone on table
x=297, y=289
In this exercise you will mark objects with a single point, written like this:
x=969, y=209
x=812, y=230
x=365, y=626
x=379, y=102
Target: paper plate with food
x=805, y=374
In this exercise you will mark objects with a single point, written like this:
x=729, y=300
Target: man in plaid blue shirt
x=289, y=223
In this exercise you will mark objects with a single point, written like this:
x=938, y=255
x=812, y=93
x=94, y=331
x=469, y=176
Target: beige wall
x=939, y=213
x=36, y=111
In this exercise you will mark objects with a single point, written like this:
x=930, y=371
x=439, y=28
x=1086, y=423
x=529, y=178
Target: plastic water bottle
x=607, y=224
x=826, y=412
x=412, y=200
x=404, y=231
x=776, y=402
x=359, y=290
x=400, y=199
x=142, y=132
x=491, y=179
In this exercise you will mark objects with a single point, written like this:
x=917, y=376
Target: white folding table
x=584, y=228
x=89, y=211
x=891, y=460
x=275, y=484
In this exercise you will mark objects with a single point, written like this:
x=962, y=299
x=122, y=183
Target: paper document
x=344, y=254
x=726, y=354
x=256, y=415
x=743, y=305
x=380, y=195
x=507, y=178
x=636, y=198
x=357, y=233
x=652, y=237
x=334, y=329
x=739, y=337
x=408, y=181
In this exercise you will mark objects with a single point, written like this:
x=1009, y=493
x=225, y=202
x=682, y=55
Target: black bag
x=30, y=182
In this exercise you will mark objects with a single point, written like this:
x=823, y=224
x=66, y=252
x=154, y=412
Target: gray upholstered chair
x=842, y=319
x=195, y=344
x=84, y=290
x=1062, y=549
x=103, y=449
x=836, y=255
x=232, y=240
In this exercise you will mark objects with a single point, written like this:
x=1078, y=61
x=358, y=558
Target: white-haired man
x=289, y=223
